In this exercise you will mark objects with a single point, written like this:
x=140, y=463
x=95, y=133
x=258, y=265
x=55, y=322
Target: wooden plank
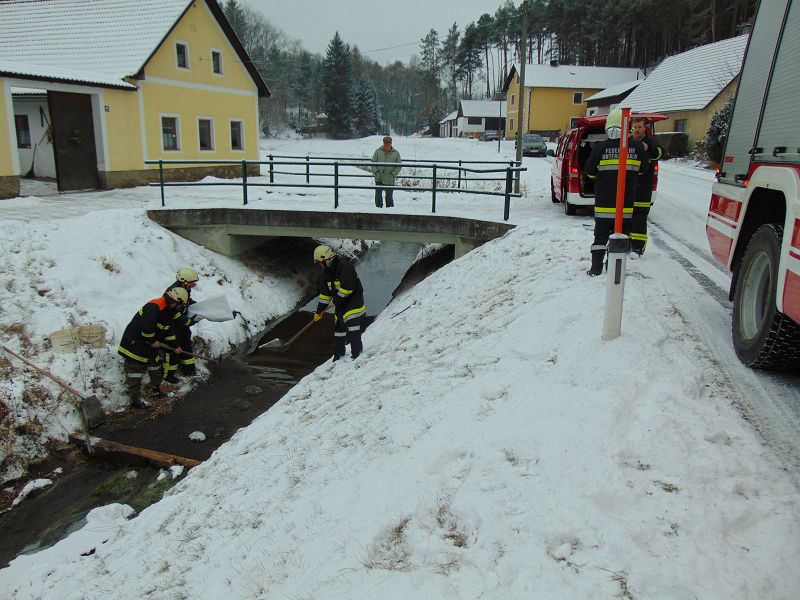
x=128, y=454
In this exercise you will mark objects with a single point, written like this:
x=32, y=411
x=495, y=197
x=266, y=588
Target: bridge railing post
x=271, y=170
x=433, y=190
x=161, y=179
x=509, y=188
x=308, y=170
x=336, y=184
x=459, y=174
x=244, y=182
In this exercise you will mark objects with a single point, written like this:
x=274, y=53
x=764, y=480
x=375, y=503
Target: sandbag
x=214, y=309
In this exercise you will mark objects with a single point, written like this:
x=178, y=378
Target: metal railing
x=456, y=182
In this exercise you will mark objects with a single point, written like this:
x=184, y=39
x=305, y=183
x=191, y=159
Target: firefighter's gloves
x=317, y=316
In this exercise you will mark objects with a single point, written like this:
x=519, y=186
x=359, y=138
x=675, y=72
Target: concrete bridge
x=231, y=231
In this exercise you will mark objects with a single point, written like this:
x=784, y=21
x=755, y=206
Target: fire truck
x=753, y=223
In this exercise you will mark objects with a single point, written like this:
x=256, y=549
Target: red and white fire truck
x=753, y=222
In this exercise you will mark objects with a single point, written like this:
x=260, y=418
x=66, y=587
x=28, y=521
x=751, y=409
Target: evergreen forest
x=347, y=94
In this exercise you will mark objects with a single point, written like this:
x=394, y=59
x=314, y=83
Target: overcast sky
x=385, y=31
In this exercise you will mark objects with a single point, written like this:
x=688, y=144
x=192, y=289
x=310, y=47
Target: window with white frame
x=170, y=133
x=216, y=62
x=577, y=97
x=237, y=135
x=182, y=54
x=205, y=133
x=681, y=125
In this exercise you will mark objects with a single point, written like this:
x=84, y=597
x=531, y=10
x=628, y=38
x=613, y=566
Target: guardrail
x=453, y=182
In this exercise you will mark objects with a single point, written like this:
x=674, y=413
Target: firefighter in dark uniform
x=340, y=286
x=644, y=188
x=151, y=325
x=603, y=166
x=181, y=337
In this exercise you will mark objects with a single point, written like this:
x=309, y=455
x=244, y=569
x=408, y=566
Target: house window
x=577, y=97
x=237, y=140
x=169, y=133
x=205, y=131
x=511, y=124
x=216, y=62
x=474, y=121
x=681, y=126
x=513, y=99
x=23, y=131
x=182, y=55
x=573, y=122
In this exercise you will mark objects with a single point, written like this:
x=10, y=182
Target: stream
x=239, y=389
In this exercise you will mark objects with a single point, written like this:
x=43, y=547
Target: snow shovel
x=90, y=410
x=277, y=345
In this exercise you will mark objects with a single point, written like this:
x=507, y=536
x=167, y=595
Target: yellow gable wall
x=187, y=94
x=545, y=108
x=8, y=146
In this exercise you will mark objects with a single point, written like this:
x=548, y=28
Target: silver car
x=533, y=145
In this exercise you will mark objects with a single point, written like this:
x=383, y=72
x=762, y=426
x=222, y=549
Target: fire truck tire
x=763, y=337
x=553, y=192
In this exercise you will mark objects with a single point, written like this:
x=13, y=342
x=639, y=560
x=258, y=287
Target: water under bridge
x=231, y=231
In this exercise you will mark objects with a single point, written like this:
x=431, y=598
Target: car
x=489, y=136
x=568, y=183
x=533, y=145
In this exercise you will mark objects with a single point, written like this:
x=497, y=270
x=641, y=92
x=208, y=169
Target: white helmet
x=186, y=275
x=614, y=124
x=323, y=253
x=178, y=294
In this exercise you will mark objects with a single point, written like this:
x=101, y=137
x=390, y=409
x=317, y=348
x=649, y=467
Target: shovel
x=216, y=361
x=90, y=410
x=277, y=345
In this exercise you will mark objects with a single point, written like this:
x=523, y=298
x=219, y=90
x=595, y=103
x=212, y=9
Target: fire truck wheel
x=763, y=337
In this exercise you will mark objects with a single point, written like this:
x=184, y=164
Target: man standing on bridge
x=340, y=287
x=385, y=175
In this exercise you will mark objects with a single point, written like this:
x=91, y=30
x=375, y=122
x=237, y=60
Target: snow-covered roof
x=614, y=90
x=575, y=76
x=20, y=91
x=690, y=80
x=451, y=117
x=96, y=42
x=482, y=108
x=89, y=41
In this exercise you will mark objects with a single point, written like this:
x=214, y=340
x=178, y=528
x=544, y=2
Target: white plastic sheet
x=214, y=309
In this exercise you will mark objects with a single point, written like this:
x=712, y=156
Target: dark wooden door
x=73, y=141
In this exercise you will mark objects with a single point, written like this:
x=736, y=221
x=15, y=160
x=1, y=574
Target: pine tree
x=366, y=112
x=337, y=82
x=717, y=132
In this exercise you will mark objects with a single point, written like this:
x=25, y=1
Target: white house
x=477, y=116
x=603, y=102
x=448, y=127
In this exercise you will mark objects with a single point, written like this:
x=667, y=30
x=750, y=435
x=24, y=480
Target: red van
x=568, y=184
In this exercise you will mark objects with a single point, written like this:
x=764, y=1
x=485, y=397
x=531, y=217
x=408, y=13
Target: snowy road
x=770, y=401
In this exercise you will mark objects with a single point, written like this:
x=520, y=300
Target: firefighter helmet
x=186, y=275
x=178, y=294
x=614, y=124
x=323, y=253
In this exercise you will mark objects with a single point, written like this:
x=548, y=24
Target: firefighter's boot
x=597, y=263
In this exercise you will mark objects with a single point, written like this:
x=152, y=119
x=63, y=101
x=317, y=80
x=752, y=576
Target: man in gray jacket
x=385, y=174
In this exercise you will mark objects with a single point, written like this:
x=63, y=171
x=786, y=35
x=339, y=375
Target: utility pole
x=523, y=46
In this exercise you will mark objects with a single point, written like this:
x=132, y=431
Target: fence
x=456, y=182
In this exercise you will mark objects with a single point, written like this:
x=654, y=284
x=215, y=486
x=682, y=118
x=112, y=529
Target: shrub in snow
x=717, y=131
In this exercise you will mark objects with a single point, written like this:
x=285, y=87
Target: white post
x=618, y=245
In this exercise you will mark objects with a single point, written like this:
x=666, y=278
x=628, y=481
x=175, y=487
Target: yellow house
x=554, y=95
x=125, y=82
x=691, y=86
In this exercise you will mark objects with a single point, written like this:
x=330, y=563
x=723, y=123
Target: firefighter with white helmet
x=151, y=325
x=340, y=287
x=603, y=167
x=185, y=279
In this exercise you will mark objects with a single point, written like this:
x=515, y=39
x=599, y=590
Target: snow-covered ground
x=486, y=444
